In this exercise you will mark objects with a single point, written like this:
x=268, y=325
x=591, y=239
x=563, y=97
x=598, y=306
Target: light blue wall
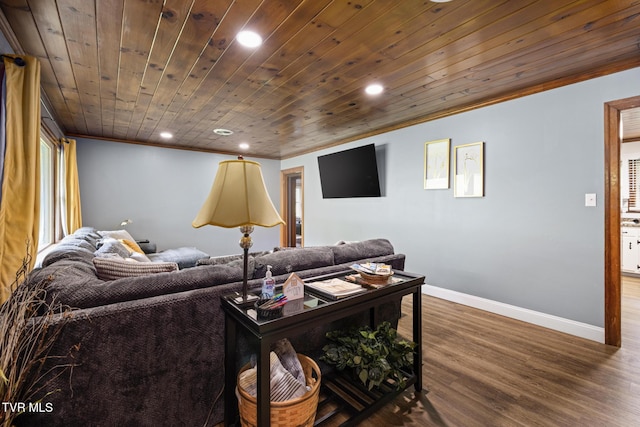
x=161, y=190
x=530, y=242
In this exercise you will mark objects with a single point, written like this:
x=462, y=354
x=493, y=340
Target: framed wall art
x=468, y=167
x=436, y=164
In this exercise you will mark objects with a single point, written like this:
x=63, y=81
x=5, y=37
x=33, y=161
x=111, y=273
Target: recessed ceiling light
x=243, y=146
x=223, y=132
x=249, y=39
x=374, y=89
x=441, y=1
x=165, y=135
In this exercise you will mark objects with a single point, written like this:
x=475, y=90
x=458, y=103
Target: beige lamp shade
x=238, y=198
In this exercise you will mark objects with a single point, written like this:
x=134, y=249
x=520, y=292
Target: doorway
x=292, y=206
x=612, y=212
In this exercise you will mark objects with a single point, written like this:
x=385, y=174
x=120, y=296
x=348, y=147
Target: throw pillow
x=116, y=234
x=133, y=246
x=120, y=235
x=110, y=245
x=185, y=257
x=139, y=257
x=113, y=268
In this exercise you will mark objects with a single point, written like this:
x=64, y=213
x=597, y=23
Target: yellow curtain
x=73, y=211
x=20, y=204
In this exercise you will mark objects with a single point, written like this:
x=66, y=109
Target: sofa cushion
x=63, y=280
x=76, y=242
x=80, y=288
x=111, y=268
x=68, y=251
x=88, y=234
x=360, y=250
x=289, y=261
x=184, y=257
x=220, y=260
x=235, y=261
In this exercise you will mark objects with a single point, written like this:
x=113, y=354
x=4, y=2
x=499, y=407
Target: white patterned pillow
x=116, y=234
x=116, y=268
x=109, y=246
x=122, y=235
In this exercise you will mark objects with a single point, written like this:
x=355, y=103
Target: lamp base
x=245, y=244
x=251, y=299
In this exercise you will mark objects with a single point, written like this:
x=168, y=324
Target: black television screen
x=349, y=173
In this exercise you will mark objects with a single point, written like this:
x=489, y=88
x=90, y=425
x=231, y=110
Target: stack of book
x=334, y=288
x=373, y=268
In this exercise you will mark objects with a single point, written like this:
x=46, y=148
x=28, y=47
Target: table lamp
x=239, y=198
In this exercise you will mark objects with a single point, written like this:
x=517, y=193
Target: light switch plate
x=590, y=199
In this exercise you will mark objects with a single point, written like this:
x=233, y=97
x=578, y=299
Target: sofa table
x=263, y=333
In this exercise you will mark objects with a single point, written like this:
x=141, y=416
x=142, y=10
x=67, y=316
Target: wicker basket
x=376, y=279
x=295, y=412
x=268, y=313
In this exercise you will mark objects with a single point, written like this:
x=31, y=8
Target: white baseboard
x=568, y=326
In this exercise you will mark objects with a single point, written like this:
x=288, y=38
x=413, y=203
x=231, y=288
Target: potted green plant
x=374, y=356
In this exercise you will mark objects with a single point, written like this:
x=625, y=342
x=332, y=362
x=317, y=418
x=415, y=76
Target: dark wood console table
x=265, y=332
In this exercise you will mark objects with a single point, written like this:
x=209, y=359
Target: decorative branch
x=29, y=326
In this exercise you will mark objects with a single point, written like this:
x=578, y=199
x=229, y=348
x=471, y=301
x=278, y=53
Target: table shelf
x=264, y=333
x=355, y=398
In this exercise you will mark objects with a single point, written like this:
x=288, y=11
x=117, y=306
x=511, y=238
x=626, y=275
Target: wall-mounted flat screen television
x=349, y=173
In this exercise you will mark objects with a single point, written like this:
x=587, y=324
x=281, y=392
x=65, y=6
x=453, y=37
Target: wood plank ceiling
x=630, y=125
x=126, y=70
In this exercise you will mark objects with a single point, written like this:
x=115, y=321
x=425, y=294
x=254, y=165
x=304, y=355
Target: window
x=47, y=194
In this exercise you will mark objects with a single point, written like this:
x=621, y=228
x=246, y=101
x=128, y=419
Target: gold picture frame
x=436, y=164
x=468, y=170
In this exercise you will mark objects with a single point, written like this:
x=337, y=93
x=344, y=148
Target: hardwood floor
x=482, y=369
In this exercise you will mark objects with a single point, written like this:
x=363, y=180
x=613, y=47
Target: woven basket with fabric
x=295, y=412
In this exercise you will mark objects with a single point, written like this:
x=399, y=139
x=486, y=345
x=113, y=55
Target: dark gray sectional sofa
x=148, y=350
